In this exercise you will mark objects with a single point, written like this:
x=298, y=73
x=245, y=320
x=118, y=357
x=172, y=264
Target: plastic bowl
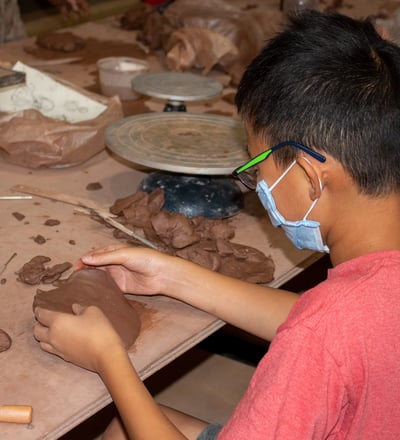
x=116, y=73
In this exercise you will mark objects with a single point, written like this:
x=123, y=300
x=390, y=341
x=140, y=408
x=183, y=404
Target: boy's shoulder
x=367, y=287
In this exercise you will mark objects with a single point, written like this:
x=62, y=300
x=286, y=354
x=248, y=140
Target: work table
x=61, y=394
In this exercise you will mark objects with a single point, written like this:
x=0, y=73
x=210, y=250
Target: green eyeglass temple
x=262, y=156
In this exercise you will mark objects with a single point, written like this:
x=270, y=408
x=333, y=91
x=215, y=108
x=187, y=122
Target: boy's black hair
x=332, y=83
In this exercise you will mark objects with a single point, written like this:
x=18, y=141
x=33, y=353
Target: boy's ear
x=311, y=174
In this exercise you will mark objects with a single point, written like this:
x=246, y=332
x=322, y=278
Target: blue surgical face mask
x=304, y=234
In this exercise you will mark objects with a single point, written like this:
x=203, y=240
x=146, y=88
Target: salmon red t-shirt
x=333, y=369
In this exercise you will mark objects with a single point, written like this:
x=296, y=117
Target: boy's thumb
x=78, y=309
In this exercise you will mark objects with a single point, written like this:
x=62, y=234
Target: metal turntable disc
x=177, y=86
x=189, y=143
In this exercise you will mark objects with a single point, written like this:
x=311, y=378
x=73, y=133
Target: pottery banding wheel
x=194, y=147
x=177, y=88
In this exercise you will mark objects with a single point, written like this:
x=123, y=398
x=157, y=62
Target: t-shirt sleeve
x=296, y=392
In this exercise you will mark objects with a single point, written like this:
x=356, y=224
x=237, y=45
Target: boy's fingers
x=49, y=348
x=44, y=316
x=40, y=332
x=109, y=255
x=110, y=248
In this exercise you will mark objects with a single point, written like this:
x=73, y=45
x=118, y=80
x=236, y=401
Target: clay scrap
x=5, y=341
x=60, y=41
x=204, y=241
x=94, y=287
x=35, y=271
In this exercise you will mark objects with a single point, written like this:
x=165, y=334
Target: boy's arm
x=142, y=417
x=87, y=339
x=257, y=309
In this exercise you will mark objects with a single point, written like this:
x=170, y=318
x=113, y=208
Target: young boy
x=325, y=94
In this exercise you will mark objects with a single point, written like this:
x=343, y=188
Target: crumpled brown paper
x=205, y=35
x=29, y=139
x=200, y=48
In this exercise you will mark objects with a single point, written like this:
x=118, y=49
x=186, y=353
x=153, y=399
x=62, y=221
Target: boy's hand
x=83, y=338
x=135, y=270
x=72, y=8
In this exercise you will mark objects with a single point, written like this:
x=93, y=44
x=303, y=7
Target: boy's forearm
x=142, y=417
x=256, y=309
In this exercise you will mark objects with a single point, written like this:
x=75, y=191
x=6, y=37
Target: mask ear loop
x=282, y=175
x=316, y=200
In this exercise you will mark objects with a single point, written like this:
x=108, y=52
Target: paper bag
x=32, y=140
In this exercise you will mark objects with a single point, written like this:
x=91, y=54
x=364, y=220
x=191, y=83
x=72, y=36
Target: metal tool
x=4, y=266
x=15, y=197
x=16, y=413
x=11, y=78
x=85, y=204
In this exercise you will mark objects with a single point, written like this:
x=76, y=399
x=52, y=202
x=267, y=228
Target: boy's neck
x=371, y=225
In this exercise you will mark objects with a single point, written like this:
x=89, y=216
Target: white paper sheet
x=49, y=97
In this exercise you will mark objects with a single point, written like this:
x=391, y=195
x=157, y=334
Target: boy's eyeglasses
x=249, y=177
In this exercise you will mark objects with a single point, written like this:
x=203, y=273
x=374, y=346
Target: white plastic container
x=116, y=73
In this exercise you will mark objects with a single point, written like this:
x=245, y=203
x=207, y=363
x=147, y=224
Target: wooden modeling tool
x=82, y=203
x=16, y=413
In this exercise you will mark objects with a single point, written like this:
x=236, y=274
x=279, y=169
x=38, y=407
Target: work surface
x=61, y=394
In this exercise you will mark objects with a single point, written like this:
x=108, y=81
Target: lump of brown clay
x=35, y=271
x=94, y=186
x=204, y=241
x=94, y=287
x=18, y=216
x=174, y=230
x=5, y=341
x=52, y=222
x=60, y=41
x=39, y=239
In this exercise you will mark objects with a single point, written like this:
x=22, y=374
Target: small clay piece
x=94, y=287
x=52, y=222
x=5, y=341
x=3, y=281
x=53, y=273
x=94, y=186
x=39, y=239
x=60, y=41
x=174, y=230
x=18, y=216
x=31, y=272
x=72, y=242
x=34, y=271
